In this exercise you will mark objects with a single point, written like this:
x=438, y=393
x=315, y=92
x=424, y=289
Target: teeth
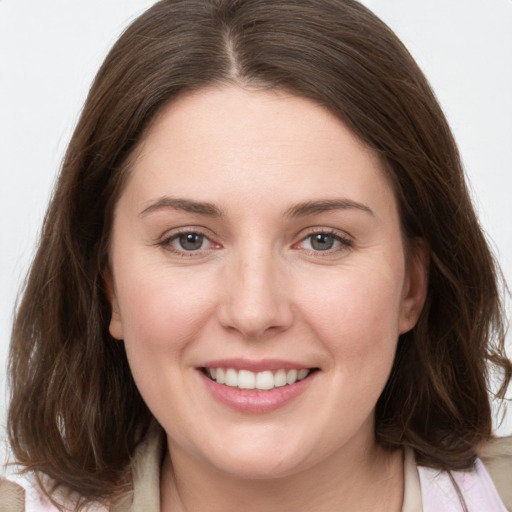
x=231, y=378
x=291, y=376
x=263, y=381
x=280, y=378
x=220, y=377
x=302, y=374
x=246, y=380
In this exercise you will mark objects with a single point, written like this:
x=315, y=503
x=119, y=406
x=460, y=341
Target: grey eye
x=322, y=242
x=191, y=241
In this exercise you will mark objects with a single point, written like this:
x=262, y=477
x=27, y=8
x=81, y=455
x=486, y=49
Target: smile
x=261, y=381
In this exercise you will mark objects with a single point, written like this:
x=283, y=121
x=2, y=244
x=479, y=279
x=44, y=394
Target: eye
x=187, y=243
x=325, y=241
x=190, y=241
x=321, y=241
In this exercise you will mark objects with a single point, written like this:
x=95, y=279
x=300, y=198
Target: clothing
x=426, y=490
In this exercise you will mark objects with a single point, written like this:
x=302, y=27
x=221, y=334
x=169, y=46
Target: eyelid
x=346, y=241
x=169, y=236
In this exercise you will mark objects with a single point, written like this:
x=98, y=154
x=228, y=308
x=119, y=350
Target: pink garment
x=439, y=494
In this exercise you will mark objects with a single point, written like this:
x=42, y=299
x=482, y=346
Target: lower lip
x=253, y=401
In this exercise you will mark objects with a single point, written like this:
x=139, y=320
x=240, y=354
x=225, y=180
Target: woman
x=261, y=282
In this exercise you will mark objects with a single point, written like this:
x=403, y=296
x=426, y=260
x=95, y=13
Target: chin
x=259, y=468
x=260, y=461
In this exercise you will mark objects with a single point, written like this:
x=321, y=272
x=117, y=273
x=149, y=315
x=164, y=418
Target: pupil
x=322, y=242
x=191, y=241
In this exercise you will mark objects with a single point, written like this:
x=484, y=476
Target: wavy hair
x=76, y=415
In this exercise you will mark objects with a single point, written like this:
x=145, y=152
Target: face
x=259, y=281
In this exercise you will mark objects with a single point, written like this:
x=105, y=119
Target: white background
x=50, y=51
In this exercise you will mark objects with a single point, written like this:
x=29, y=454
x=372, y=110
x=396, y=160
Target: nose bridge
x=257, y=301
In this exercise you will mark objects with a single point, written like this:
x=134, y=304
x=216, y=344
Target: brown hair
x=75, y=413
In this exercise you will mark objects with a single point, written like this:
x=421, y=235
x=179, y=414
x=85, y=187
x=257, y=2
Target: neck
x=371, y=480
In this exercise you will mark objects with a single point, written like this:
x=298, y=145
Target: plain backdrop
x=50, y=51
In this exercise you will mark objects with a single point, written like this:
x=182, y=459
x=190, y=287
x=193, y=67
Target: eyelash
x=344, y=241
x=166, y=243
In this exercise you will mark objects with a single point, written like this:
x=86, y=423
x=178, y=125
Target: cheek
x=161, y=309
x=162, y=315
x=357, y=316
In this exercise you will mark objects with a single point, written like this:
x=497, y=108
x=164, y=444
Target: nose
x=257, y=302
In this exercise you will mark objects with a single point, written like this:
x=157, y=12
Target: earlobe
x=115, y=326
x=415, y=284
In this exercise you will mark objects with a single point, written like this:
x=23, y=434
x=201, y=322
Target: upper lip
x=254, y=365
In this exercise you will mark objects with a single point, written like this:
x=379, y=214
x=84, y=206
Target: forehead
x=231, y=142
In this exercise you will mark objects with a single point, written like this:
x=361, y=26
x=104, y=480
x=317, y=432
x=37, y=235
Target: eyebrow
x=312, y=207
x=186, y=205
x=298, y=210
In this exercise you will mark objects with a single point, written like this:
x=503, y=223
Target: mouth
x=266, y=380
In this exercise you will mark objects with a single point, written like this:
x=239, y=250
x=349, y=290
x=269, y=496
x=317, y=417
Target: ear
x=115, y=326
x=415, y=284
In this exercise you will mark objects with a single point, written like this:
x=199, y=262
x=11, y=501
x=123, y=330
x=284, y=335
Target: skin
x=259, y=288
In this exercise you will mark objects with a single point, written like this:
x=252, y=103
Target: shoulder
x=12, y=496
x=485, y=487
x=21, y=492
x=497, y=459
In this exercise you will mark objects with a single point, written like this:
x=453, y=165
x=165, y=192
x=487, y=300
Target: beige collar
x=412, y=489
x=146, y=474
